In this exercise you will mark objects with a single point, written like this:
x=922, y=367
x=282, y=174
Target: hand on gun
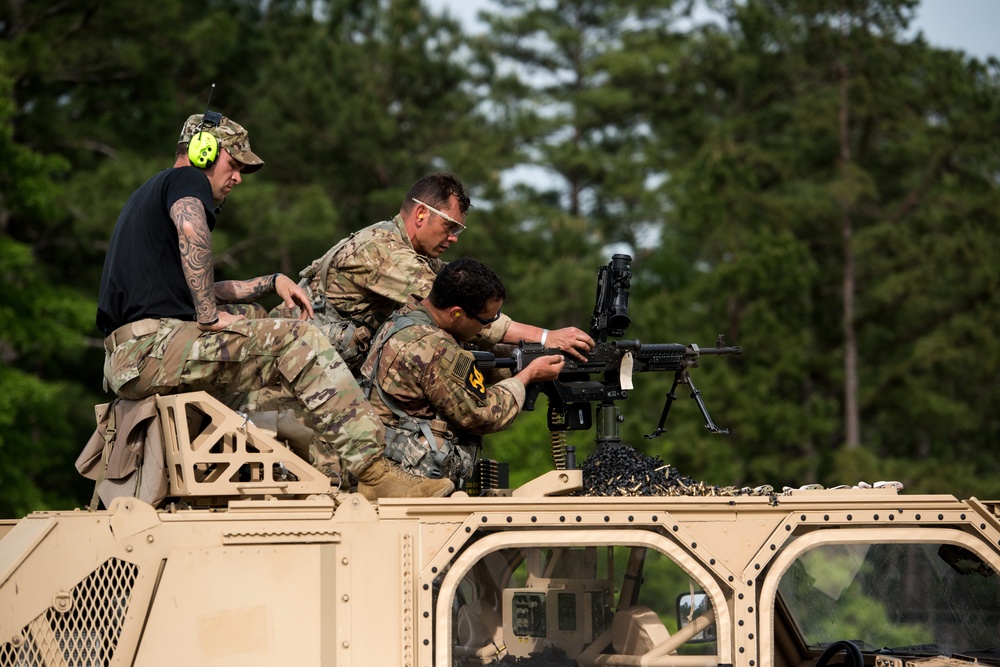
x=542, y=369
x=570, y=340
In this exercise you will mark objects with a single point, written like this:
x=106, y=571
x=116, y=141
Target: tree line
x=804, y=177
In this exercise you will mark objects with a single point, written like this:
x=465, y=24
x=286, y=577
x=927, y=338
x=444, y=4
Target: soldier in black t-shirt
x=170, y=327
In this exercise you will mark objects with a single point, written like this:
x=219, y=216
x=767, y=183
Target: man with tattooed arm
x=171, y=328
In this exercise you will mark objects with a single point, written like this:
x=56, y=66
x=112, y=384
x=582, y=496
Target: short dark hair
x=468, y=284
x=182, y=150
x=436, y=190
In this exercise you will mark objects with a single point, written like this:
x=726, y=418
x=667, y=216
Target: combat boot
x=385, y=479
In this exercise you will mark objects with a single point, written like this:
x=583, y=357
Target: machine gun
x=606, y=375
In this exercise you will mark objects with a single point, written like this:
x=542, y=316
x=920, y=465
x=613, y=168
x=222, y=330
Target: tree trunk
x=852, y=419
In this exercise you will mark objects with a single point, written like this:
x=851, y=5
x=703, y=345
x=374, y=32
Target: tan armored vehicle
x=252, y=559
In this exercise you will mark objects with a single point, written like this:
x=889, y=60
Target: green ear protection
x=204, y=146
x=203, y=149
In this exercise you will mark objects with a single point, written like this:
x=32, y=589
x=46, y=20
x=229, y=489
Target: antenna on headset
x=210, y=118
x=202, y=149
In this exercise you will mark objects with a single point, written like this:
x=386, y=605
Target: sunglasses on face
x=485, y=322
x=454, y=228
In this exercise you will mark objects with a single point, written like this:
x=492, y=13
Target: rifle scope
x=610, y=316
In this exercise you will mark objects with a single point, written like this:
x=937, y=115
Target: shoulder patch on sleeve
x=463, y=368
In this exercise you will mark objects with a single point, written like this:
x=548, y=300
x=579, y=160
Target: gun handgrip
x=531, y=395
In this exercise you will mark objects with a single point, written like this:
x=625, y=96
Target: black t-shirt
x=142, y=272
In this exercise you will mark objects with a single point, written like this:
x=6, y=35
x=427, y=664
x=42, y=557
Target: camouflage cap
x=231, y=135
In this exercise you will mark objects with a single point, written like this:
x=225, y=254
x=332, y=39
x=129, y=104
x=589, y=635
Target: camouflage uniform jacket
x=427, y=374
x=375, y=271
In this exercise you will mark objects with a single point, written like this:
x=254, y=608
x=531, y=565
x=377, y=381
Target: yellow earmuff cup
x=203, y=149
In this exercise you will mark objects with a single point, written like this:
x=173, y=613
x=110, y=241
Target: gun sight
x=610, y=316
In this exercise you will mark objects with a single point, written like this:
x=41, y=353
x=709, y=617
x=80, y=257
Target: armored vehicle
x=252, y=558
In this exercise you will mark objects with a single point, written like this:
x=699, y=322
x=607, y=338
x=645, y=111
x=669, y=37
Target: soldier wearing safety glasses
x=359, y=282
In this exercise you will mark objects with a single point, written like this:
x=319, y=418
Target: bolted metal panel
x=82, y=626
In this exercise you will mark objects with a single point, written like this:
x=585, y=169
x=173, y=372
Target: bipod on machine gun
x=606, y=375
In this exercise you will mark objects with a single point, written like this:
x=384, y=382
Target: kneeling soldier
x=426, y=388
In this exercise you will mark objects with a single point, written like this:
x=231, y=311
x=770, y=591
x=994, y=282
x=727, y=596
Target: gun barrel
x=650, y=348
x=653, y=356
x=736, y=349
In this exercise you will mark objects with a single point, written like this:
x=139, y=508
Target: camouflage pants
x=289, y=356
x=272, y=409
x=348, y=338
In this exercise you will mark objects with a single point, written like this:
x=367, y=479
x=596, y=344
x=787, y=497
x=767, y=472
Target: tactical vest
x=422, y=446
x=349, y=337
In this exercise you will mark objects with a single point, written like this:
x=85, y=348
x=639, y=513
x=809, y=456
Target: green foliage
x=763, y=183
x=550, y=64
x=357, y=107
x=42, y=416
x=43, y=419
x=42, y=430
x=843, y=609
x=760, y=168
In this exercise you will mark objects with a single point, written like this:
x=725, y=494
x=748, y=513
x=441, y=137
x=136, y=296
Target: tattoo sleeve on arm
x=229, y=291
x=195, y=242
